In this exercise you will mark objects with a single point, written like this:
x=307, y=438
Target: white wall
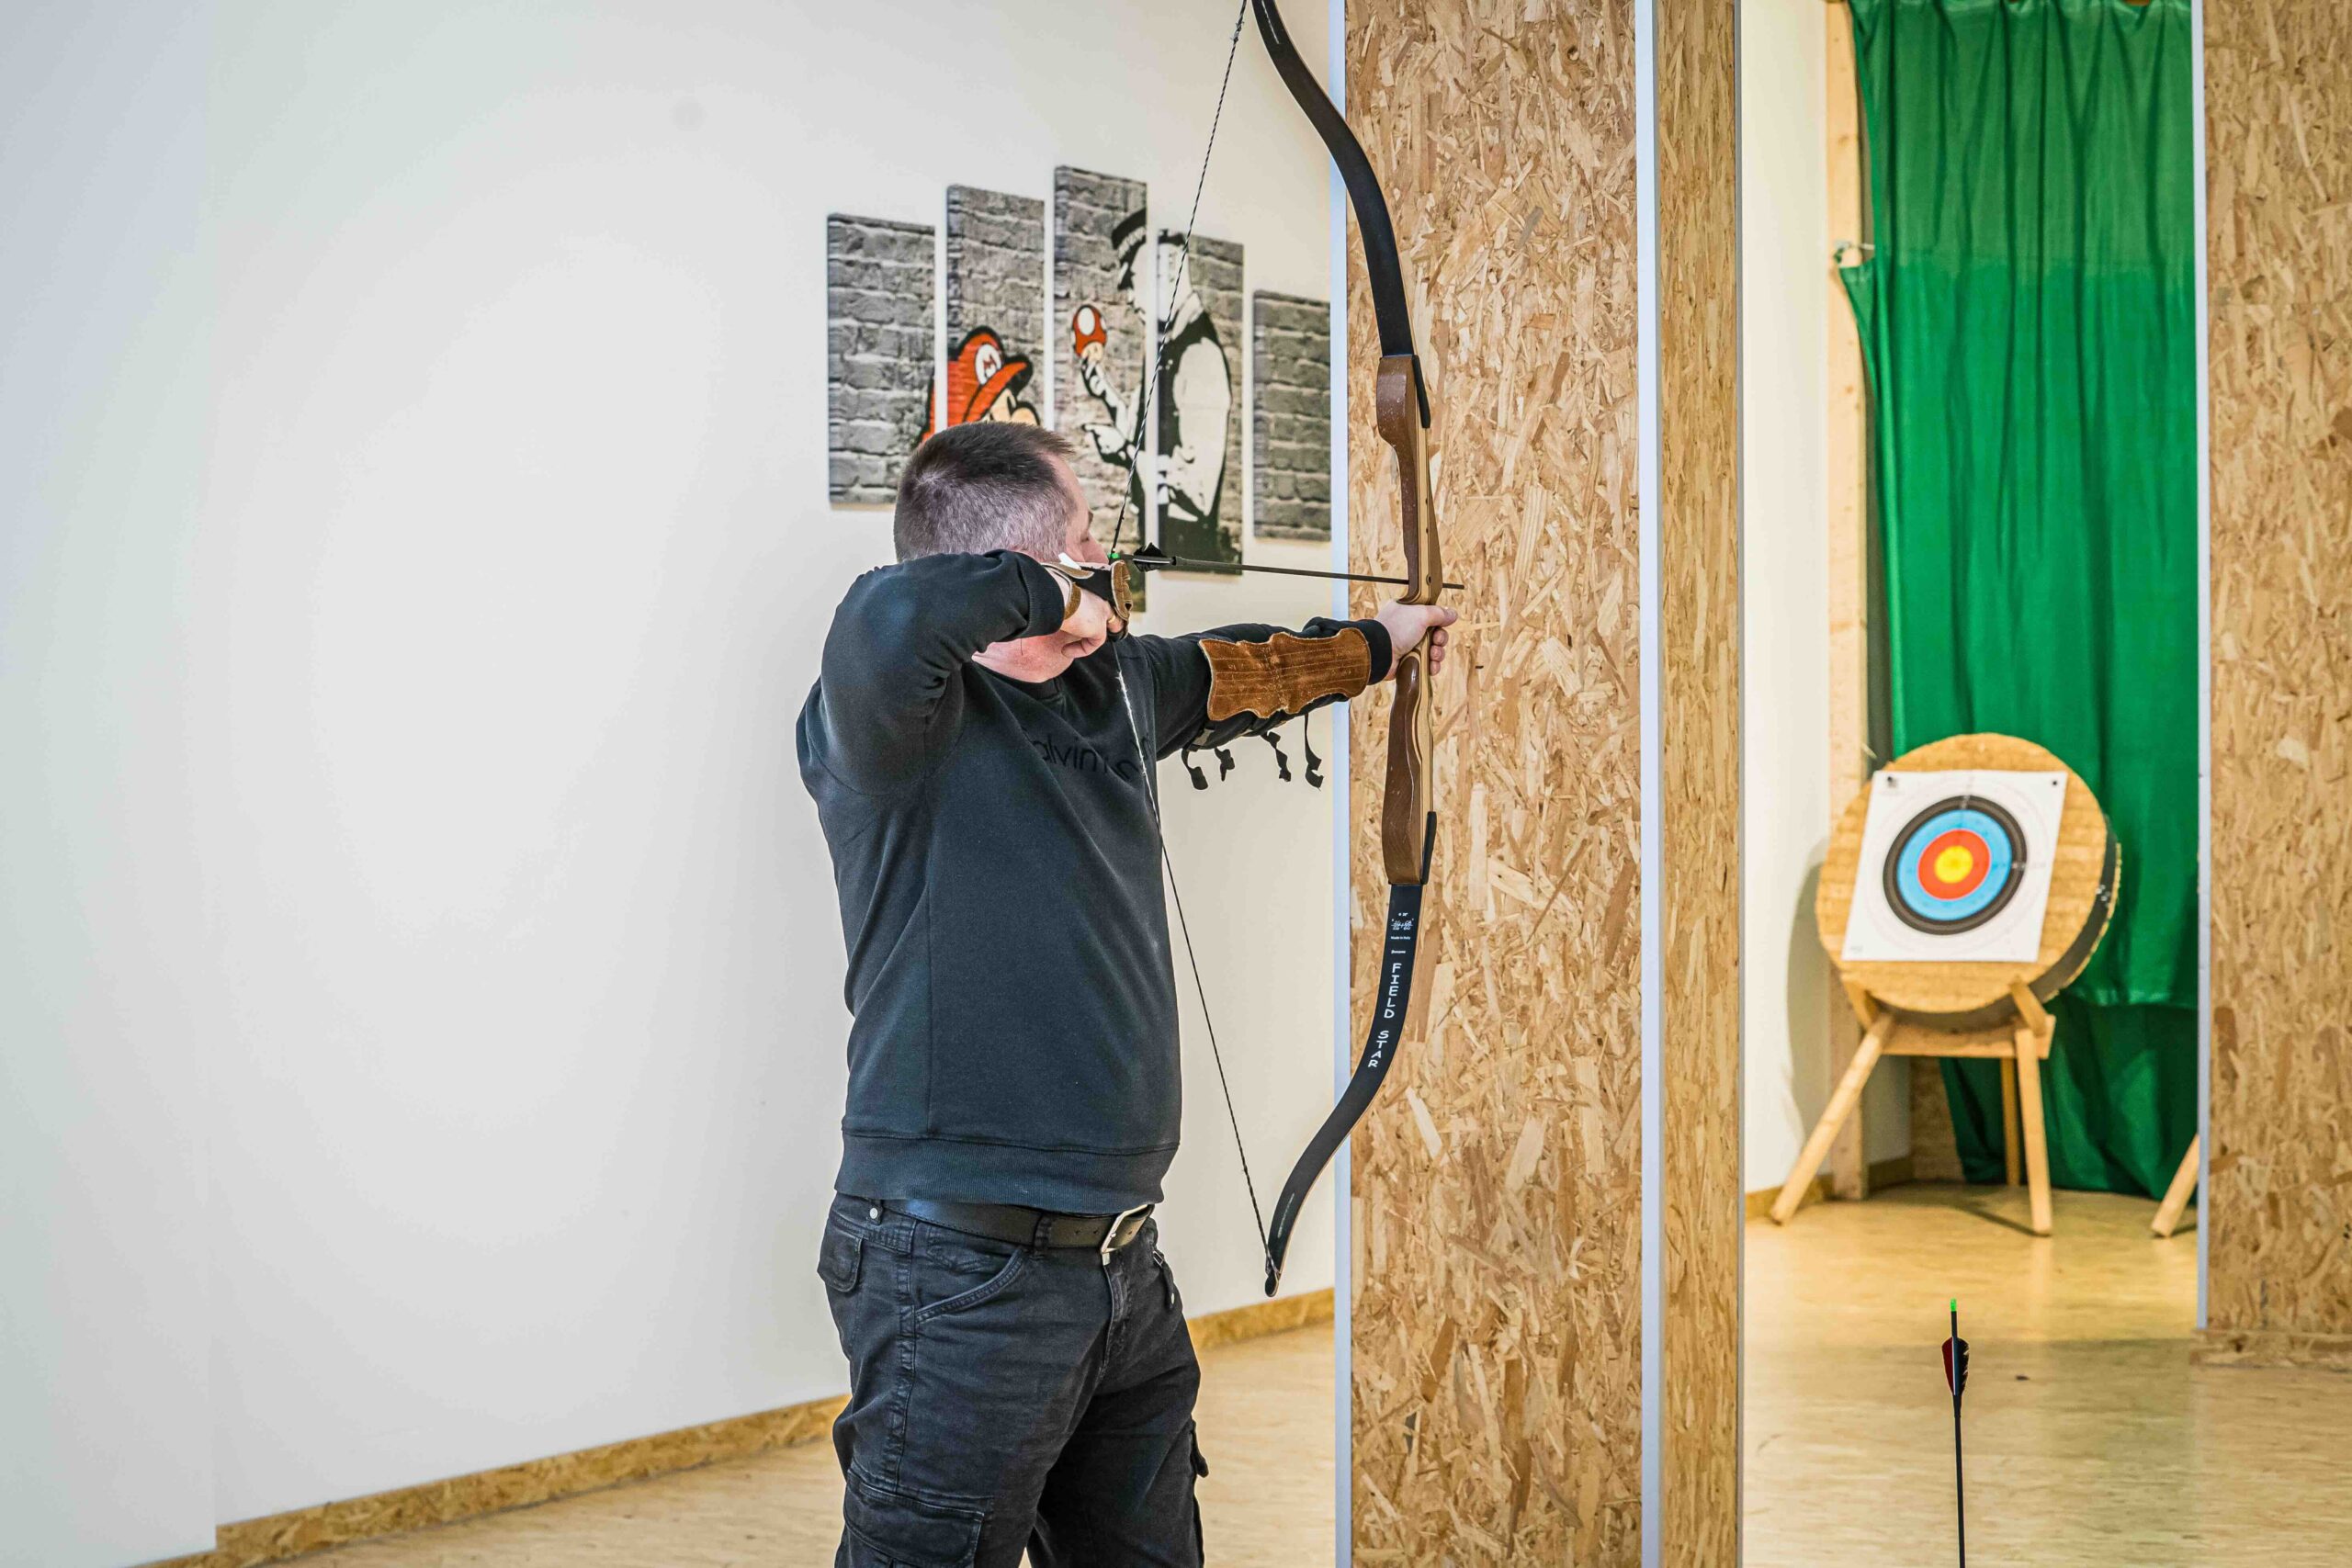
x=1787, y=292
x=421, y=727
x=104, y=1440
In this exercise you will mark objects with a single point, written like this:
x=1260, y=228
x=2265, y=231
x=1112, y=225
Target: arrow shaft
x=1956, y=1369
x=1219, y=566
x=1959, y=1483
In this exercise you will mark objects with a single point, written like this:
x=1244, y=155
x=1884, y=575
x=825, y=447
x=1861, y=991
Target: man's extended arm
x=1239, y=680
x=896, y=643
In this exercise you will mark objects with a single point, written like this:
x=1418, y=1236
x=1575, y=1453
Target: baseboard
x=250, y=1543
x=1895, y=1172
x=1760, y=1201
x=2241, y=1348
x=277, y=1537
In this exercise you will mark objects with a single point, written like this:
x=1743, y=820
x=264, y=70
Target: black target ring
x=1908, y=845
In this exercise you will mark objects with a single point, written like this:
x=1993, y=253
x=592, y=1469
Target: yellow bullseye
x=1954, y=865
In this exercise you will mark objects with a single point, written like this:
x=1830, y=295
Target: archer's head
x=995, y=485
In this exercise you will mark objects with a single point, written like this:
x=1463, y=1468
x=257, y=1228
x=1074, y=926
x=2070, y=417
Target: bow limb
x=1401, y=407
x=1407, y=822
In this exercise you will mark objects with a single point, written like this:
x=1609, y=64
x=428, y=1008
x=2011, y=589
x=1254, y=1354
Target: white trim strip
x=1652, y=841
x=1342, y=854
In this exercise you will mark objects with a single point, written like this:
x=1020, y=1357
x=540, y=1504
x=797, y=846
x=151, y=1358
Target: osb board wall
x=1497, y=1206
x=2279, y=193
x=1698, y=167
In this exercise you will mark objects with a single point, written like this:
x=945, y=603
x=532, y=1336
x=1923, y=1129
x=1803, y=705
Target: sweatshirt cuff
x=1049, y=594
x=1384, y=652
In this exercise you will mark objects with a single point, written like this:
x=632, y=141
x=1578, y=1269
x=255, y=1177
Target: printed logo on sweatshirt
x=1080, y=758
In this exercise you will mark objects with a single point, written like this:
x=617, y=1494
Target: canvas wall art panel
x=1289, y=393
x=880, y=351
x=996, y=307
x=1197, y=459
x=1102, y=257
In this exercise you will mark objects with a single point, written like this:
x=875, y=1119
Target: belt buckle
x=1110, y=1241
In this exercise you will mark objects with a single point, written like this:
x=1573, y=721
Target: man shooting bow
x=981, y=744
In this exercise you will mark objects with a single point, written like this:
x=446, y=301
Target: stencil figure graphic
x=1195, y=393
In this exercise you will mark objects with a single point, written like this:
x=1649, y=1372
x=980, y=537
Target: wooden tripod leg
x=2184, y=1182
x=2010, y=1150
x=2031, y=1038
x=1842, y=1101
x=2037, y=1144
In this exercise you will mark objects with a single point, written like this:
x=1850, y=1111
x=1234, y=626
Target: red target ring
x=1954, y=864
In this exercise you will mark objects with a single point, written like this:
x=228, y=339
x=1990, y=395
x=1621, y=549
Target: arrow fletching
x=1956, y=1358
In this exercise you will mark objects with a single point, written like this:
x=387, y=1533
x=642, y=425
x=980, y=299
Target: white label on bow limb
x=1955, y=867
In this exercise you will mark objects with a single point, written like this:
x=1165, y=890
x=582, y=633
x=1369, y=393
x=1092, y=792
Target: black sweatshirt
x=1014, y=1036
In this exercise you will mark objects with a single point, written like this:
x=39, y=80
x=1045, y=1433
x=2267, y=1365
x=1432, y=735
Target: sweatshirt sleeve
x=1216, y=685
x=887, y=698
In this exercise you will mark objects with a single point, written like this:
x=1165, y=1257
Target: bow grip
x=1405, y=803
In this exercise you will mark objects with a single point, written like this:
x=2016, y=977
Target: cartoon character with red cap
x=984, y=383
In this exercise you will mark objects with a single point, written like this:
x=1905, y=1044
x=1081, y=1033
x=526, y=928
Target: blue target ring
x=1954, y=866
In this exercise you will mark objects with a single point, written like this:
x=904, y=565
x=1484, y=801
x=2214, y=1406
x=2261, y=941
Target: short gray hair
x=990, y=485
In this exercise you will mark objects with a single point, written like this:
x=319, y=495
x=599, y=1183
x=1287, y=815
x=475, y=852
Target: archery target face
x=1955, y=867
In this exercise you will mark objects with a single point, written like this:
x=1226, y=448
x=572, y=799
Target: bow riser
x=1400, y=415
x=1405, y=800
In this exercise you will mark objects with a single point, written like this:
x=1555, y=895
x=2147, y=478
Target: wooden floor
x=2091, y=1439
x=1265, y=1416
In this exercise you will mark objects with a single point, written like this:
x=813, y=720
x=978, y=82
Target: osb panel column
x=2278, y=189
x=1498, y=1210
x=1849, y=522
x=1698, y=175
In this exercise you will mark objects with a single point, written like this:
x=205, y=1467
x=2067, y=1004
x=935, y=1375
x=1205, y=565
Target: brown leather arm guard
x=1284, y=675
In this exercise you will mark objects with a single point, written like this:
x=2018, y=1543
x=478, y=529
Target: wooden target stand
x=1990, y=1010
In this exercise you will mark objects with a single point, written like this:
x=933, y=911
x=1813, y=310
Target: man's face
x=1042, y=657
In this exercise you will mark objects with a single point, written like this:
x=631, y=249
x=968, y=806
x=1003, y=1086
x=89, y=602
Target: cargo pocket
x=890, y=1528
x=840, y=1257
x=1200, y=1468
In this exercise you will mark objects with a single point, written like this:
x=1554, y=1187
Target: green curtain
x=2029, y=327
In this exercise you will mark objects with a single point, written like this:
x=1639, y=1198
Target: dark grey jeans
x=1007, y=1398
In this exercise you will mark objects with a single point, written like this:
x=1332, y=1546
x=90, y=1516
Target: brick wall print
x=1102, y=290
x=1199, y=452
x=996, y=306
x=879, y=348
x=1290, y=376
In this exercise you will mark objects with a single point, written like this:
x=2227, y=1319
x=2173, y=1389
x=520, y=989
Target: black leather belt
x=1104, y=1233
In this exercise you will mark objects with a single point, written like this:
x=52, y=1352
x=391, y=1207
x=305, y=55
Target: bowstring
x=1191, y=958
x=1148, y=379
x=1147, y=393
